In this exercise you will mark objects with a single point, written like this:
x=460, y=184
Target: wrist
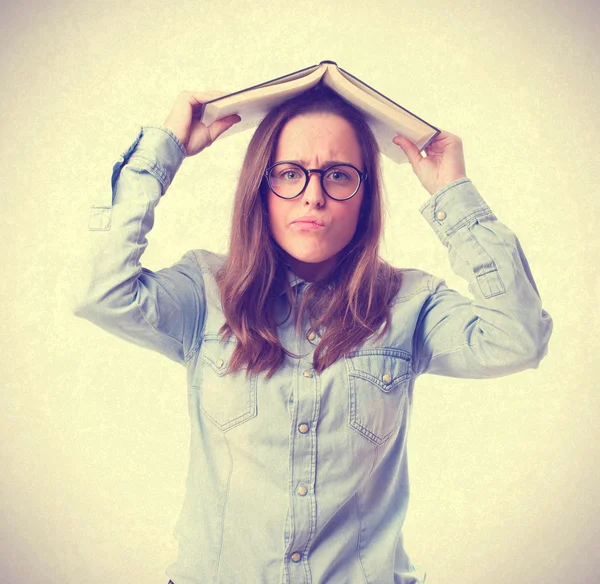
x=442, y=184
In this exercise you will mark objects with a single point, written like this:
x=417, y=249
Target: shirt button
x=220, y=363
x=386, y=378
x=296, y=557
x=307, y=374
x=302, y=490
x=303, y=428
x=311, y=336
x=441, y=215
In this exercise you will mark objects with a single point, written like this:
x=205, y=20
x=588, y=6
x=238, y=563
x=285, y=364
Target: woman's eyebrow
x=325, y=163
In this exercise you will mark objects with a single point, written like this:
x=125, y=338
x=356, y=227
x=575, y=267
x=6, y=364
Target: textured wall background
x=94, y=431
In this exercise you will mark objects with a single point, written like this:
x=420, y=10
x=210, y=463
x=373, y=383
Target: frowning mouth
x=309, y=222
x=307, y=226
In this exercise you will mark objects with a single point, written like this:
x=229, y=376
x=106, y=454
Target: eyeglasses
x=288, y=180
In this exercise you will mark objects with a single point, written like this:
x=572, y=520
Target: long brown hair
x=347, y=306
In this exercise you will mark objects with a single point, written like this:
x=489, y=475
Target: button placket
x=302, y=496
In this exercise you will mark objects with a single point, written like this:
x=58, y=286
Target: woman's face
x=314, y=141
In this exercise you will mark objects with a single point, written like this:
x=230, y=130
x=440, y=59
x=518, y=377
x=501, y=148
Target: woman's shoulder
x=414, y=282
x=203, y=266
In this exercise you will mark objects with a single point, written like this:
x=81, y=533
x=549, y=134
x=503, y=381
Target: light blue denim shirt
x=303, y=478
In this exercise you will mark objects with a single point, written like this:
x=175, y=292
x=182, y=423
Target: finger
x=412, y=152
x=199, y=98
x=221, y=125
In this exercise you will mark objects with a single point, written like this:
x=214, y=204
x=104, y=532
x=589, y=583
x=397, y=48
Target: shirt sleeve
x=162, y=310
x=503, y=328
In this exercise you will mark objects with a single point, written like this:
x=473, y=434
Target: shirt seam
x=220, y=549
x=358, y=542
x=196, y=347
x=427, y=287
x=136, y=259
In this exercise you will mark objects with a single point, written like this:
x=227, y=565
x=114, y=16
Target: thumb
x=412, y=152
x=221, y=125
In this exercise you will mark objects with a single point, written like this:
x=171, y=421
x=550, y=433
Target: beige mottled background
x=94, y=431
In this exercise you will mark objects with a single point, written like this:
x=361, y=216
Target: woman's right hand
x=192, y=133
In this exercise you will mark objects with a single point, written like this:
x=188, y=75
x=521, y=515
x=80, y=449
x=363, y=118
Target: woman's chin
x=311, y=266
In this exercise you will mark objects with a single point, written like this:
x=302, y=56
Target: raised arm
x=161, y=310
x=503, y=327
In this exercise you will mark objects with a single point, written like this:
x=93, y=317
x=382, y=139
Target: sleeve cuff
x=155, y=149
x=153, y=133
x=454, y=206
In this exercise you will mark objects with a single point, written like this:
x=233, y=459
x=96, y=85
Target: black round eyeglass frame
x=362, y=176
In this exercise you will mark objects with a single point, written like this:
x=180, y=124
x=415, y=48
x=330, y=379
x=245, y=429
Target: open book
x=386, y=117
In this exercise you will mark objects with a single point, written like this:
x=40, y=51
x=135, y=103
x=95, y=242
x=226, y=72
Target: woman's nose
x=313, y=194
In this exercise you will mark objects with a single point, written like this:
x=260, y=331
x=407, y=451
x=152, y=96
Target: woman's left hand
x=445, y=161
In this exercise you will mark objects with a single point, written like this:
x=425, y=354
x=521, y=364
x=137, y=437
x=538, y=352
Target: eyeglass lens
x=288, y=180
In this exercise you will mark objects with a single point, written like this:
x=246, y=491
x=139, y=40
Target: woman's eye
x=288, y=174
x=338, y=175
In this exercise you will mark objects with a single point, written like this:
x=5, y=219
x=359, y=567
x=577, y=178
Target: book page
x=378, y=106
x=251, y=102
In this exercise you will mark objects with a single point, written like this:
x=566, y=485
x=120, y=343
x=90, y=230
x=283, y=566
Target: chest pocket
x=378, y=389
x=228, y=399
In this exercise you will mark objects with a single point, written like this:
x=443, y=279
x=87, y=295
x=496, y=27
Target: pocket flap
x=217, y=354
x=385, y=368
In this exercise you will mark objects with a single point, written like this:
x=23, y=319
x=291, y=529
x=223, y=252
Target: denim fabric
x=303, y=478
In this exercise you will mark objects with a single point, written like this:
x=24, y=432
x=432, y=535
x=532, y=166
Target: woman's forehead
x=319, y=136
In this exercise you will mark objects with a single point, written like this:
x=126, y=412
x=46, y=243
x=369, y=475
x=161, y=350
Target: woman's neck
x=311, y=272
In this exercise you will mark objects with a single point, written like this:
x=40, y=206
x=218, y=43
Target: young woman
x=302, y=346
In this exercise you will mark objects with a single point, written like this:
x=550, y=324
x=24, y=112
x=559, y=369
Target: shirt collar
x=296, y=282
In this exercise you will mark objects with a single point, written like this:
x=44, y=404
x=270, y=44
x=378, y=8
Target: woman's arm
x=162, y=310
x=503, y=328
